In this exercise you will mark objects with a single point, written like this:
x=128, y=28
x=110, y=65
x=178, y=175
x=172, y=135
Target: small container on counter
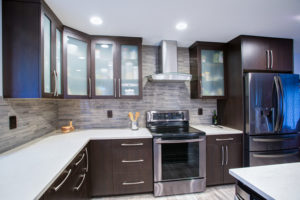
x=134, y=125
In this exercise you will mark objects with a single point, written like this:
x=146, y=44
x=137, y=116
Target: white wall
x=1, y=88
x=297, y=63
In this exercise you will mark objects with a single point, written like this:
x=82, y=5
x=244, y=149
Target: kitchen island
x=278, y=182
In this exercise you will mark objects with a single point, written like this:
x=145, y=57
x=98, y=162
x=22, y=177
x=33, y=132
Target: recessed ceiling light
x=96, y=20
x=181, y=26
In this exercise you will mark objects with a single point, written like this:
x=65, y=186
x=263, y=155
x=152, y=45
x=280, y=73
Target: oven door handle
x=178, y=141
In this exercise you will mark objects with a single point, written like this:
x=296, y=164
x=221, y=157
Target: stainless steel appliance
x=179, y=153
x=272, y=118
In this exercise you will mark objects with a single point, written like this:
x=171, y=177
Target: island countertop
x=278, y=182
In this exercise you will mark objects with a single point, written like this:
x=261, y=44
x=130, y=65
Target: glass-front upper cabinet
x=47, y=69
x=208, y=70
x=130, y=70
x=58, y=63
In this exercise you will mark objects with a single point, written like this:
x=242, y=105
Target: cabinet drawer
x=133, y=183
x=232, y=138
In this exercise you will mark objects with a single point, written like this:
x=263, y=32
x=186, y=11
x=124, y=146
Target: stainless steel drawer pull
x=133, y=183
x=63, y=181
x=87, y=160
x=225, y=139
x=136, y=144
x=132, y=161
x=275, y=155
x=81, y=182
x=79, y=161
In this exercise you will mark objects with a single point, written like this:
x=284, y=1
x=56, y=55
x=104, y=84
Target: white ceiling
x=208, y=20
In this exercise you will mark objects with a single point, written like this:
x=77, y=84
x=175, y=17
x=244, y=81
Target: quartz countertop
x=27, y=171
x=216, y=130
x=278, y=182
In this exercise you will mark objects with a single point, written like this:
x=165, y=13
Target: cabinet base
x=179, y=187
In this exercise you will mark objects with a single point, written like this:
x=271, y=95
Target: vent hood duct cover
x=167, y=71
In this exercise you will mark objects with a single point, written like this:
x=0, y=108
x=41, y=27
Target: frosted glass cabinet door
x=104, y=71
x=58, y=61
x=76, y=67
x=129, y=70
x=212, y=73
x=47, y=54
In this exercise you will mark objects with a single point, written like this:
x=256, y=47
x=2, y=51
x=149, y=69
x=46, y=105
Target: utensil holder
x=134, y=125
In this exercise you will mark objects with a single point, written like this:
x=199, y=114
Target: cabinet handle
x=132, y=161
x=133, y=183
x=79, y=161
x=271, y=54
x=136, y=144
x=225, y=139
x=268, y=59
x=115, y=81
x=86, y=169
x=226, y=155
x=81, y=182
x=63, y=181
x=222, y=155
x=119, y=87
x=90, y=88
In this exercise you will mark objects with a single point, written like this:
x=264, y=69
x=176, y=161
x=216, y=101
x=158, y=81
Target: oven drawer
x=232, y=138
x=274, y=157
x=274, y=142
x=136, y=182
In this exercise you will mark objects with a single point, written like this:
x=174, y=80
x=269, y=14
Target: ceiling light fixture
x=104, y=46
x=96, y=20
x=181, y=26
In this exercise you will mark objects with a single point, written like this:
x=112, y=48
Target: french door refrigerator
x=272, y=118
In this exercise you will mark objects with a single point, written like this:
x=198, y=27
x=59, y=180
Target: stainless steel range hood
x=167, y=66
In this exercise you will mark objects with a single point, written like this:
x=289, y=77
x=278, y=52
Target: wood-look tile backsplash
x=36, y=117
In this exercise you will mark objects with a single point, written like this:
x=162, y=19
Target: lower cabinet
x=223, y=152
x=73, y=181
x=121, y=167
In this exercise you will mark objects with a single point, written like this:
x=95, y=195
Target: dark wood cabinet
x=266, y=54
x=223, y=152
x=121, y=167
x=31, y=68
x=208, y=69
x=73, y=182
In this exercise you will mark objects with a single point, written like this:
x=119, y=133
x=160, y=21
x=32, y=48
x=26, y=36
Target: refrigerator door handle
x=282, y=103
x=278, y=109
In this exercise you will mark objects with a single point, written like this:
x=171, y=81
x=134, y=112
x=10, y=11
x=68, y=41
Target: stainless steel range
x=179, y=153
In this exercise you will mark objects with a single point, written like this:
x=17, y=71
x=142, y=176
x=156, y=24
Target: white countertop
x=278, y=182
x=216, y=130
x=26, y=172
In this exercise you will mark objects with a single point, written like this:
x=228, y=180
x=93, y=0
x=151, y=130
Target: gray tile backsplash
x=93, y=113
x=36, y=117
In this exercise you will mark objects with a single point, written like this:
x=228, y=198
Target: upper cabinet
x=266, y=54
x=32, y=53
x=116, y=69
x=207, y=66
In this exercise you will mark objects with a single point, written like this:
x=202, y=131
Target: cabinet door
x=101, y=170
x=47, y=56
x=77, y=74
x=212, y=73
x=233, y=157
x=214, y=162
x=130, y=80
x=281, y=55
x=254, y=53
x=58, y=63
x=103, y=69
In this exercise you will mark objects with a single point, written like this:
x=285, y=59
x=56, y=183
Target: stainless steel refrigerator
x=272, y=118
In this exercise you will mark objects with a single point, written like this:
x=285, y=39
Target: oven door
x=178, y=158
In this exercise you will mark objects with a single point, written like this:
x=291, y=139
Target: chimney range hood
x=167, y=65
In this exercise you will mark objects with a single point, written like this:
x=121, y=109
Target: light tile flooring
x=225, y=192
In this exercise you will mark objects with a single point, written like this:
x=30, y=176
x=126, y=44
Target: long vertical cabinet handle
x=268, y=59
x=115, y=88
x=222, y=155
x=226, y=155
x=55, y=83
x=271, y=55
x=119, y=87
x=90, y=88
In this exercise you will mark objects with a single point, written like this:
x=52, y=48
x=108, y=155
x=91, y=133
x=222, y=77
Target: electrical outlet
x=200, y=111
x=109, y=114
x=12, y=122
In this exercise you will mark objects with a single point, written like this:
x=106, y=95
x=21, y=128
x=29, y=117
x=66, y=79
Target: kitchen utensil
x=68, y=129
